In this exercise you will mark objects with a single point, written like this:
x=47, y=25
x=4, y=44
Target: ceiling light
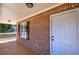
x=29, y=5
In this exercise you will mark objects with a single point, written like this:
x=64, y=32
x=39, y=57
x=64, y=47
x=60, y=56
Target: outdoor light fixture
x=29, y=5
x=9, y=20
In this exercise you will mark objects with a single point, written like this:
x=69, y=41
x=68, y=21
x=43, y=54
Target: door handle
x=52, y=39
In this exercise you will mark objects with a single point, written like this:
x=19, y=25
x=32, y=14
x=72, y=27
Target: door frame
x=73, y=10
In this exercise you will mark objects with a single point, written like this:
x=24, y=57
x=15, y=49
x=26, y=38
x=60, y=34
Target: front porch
x=14, y=48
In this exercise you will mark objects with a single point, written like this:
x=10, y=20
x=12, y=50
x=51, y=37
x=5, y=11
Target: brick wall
x=39, y=29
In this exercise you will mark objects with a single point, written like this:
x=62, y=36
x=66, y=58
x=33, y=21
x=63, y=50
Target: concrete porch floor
x=14, y=48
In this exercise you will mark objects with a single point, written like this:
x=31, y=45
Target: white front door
x=63, y=34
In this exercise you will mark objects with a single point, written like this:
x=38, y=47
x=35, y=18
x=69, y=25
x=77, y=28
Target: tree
x=5, y=27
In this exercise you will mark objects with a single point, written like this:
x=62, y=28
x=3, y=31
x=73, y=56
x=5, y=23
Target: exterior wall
x=39, y=29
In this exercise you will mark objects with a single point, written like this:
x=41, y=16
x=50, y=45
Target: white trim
x=73, y=10
x=40, y=11
x=50, y=33
x=65, y=12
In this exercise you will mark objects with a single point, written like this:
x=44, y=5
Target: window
x=24, y=30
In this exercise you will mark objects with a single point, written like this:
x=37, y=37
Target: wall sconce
x=29, y=5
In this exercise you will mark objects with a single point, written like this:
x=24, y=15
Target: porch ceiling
x=17, y=11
